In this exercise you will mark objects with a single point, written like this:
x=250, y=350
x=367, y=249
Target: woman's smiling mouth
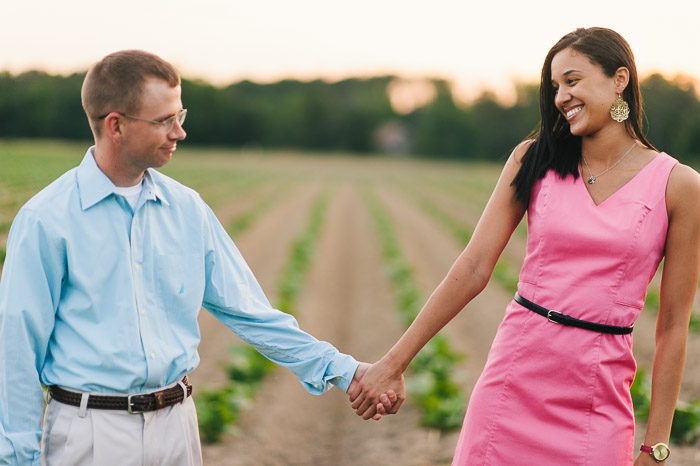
x=573, y=112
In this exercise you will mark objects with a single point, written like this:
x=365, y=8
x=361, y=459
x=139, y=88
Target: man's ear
x=112, y=127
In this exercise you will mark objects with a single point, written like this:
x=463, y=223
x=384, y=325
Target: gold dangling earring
x=619, y=110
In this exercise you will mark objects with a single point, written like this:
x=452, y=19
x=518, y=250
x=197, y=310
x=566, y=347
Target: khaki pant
x=95, y=437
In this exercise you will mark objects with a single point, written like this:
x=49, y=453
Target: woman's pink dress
x=552, y=395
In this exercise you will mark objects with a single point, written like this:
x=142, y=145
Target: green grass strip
x=218, y=409
x=439, y=398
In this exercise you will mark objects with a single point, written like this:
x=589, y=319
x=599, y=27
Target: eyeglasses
x=167, y=124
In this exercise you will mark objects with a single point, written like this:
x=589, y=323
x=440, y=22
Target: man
x=106, y=271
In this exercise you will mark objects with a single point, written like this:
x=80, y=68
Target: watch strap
x=663, y=451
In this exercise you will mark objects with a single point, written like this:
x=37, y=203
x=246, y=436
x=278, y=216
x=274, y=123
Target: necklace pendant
x=591, y=180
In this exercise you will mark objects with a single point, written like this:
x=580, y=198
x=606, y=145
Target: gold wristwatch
x=659, y=452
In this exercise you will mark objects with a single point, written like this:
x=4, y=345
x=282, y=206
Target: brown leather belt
x=136, y=403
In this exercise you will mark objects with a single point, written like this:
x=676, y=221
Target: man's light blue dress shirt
x=98, y=298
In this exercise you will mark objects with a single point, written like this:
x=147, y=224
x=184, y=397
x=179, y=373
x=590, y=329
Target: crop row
x=437, y=395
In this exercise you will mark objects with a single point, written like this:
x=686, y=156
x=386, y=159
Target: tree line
x=352, y=115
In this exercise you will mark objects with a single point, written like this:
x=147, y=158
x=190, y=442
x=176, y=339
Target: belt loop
x=83, y=404
x=184, y=391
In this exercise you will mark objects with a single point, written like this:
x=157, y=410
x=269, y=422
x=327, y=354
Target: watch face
x=660, y=452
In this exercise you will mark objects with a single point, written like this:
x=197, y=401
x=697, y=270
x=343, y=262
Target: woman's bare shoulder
x=683, y=188
x=520, y=150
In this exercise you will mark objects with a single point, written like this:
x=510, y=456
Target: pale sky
x=477, y=45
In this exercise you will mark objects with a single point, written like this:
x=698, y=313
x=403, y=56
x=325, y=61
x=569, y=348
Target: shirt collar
x=94, y=185
x=151, y=191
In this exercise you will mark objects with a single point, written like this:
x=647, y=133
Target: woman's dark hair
x=554, y=147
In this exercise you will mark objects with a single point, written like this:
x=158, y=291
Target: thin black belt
x=136, y=403
x=559, y=318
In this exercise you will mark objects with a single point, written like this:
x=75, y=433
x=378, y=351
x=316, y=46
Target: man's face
x=147, y=144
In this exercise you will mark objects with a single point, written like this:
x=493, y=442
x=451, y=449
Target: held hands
x=375, y=391
x=386, y=399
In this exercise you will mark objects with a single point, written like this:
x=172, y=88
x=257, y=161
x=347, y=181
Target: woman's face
x=583, y=93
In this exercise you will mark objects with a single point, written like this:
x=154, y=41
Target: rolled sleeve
x=344, y=365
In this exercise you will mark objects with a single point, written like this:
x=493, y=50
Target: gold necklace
x=592, y=178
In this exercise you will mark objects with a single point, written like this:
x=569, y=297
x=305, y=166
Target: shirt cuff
x=341, y=371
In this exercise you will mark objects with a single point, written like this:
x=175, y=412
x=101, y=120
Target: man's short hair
x=114, y=84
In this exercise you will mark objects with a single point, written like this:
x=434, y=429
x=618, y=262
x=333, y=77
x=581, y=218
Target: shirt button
x=137, y=267
x=153, y=355
x=143, y=313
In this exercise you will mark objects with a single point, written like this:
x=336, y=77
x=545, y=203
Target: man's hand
x=376, y=391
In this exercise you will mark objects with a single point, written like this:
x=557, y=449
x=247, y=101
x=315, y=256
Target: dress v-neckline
x=598, y=204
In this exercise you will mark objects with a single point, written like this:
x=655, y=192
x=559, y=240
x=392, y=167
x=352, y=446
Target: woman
x=604, y=207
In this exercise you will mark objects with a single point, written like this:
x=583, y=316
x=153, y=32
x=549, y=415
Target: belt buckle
x=549, y=316
x=130, y=403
